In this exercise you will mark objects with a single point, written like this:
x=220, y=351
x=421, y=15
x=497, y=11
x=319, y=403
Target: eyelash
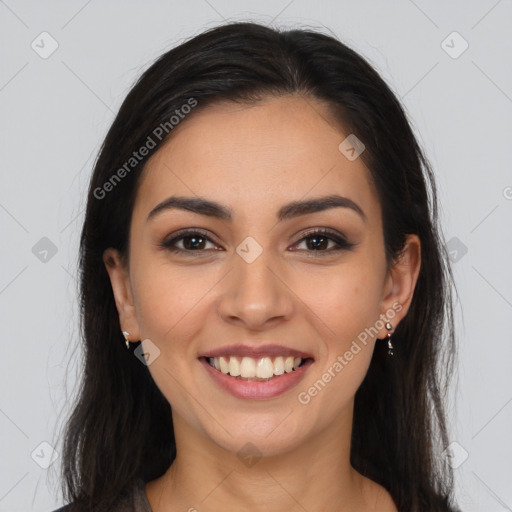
x=341, y=243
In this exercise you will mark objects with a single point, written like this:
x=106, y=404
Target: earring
x=126, y=340
x=389, y=327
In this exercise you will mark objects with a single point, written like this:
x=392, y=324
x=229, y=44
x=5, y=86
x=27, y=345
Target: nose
x=255, y=295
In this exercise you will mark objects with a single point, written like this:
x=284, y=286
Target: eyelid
x=338, y=238
x=333, y=235
x=320, y=230
x=168, y=241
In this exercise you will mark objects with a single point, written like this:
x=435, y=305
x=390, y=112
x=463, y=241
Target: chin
x=260, y=439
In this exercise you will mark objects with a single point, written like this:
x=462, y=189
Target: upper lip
x=256, y=352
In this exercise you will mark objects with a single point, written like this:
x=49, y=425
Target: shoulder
x=132, y=500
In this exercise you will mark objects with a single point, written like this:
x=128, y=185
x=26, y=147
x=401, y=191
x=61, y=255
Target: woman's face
x=259, y=280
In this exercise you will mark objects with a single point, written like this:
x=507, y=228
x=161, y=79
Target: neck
x=317, y=475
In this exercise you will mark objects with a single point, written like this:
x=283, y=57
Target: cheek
x=346, y=300
x=168, y=299
x=345, y=306
x=170, y=305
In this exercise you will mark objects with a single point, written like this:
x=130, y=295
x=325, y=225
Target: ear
x=401, y=282
x=120, y=281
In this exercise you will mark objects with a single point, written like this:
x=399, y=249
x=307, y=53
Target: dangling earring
x=126, y=340
x=389, y=327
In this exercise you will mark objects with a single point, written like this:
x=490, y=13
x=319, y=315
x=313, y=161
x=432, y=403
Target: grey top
x=135, y=500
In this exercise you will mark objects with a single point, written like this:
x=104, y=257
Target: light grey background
x=55, y=112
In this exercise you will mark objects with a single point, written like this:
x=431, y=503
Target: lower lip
x=257, y=390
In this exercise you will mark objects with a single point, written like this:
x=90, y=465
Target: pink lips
x=256, y=352
x=253, y=389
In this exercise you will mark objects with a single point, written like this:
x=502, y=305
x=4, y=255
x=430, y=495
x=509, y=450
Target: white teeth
x=234, y=367
x=279, y=366
x=224, y=366
x=264, y=368
x=248, y=367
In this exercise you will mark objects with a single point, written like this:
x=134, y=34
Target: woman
x=261, y=235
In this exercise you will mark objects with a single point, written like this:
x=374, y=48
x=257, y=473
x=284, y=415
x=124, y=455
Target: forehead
x=252, y=155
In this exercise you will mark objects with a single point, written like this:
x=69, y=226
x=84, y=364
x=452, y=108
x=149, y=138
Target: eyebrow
x=291, y=210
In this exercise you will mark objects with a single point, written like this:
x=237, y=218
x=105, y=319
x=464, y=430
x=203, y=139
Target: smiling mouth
x=256, y=369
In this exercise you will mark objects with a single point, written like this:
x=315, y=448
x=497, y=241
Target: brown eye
x=317, y=241
x=191, y=241
x=324, y=241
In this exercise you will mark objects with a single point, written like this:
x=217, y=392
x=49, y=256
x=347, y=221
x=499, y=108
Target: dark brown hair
x=121, y=426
